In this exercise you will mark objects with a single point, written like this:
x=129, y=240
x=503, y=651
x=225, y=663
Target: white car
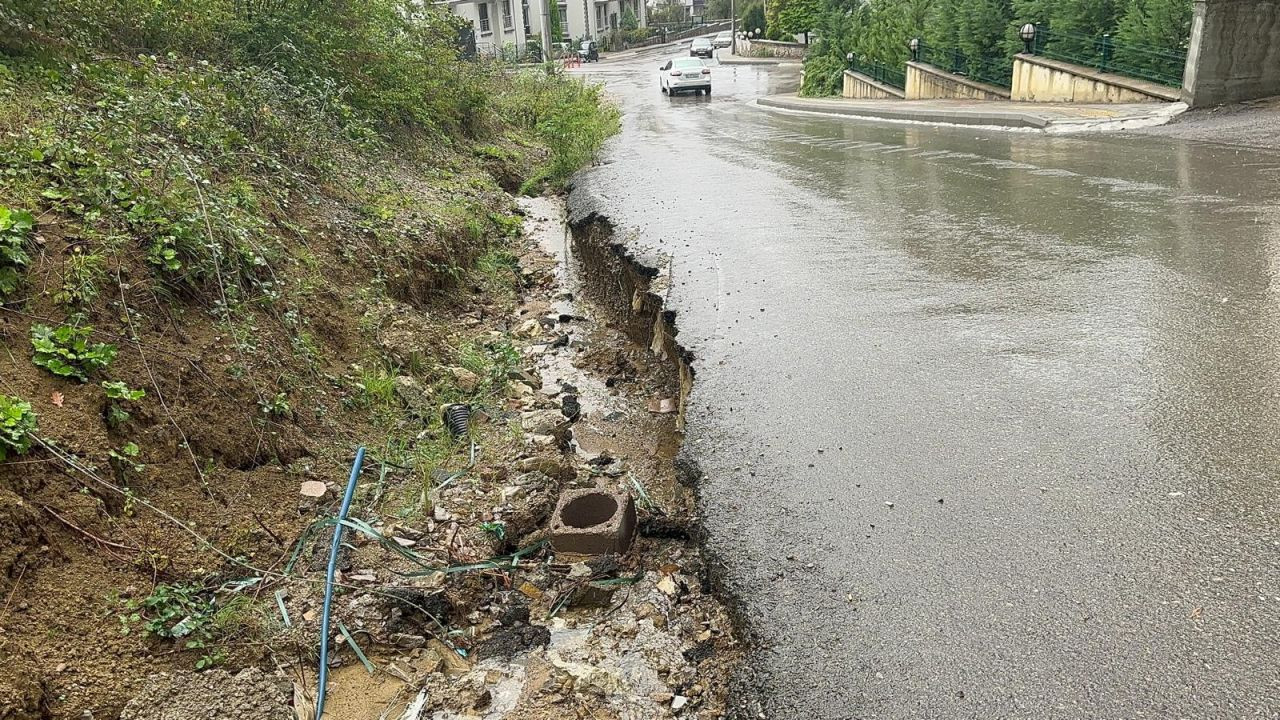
x=682, y=74
x=723, y=39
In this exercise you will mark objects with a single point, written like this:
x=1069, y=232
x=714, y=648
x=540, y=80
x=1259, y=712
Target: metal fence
x=1107, y=54
x=879, y=72
x=996, y=71
x=512, y=53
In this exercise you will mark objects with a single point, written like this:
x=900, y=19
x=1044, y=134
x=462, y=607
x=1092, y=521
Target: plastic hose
x=457, y=417
x=328, y=580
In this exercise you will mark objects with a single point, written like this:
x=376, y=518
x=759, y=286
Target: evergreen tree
x=753, y=17
x=799, y=16
x=1151, y=34
x=718, y=9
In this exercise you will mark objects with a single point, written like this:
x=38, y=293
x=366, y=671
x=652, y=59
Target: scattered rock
x=662, y=406
x=407, y=641
x=529, y=328
x=569, y=407
x=467, y=381
x=313, y=488
x=415, y=396
x=541, y=422
x=593, y=594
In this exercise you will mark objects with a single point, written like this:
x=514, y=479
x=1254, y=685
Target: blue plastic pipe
x=328, y=580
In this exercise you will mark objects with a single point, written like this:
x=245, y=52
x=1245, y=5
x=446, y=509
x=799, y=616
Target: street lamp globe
x=914, y=45
x=849, y=57
x=757, y=32
x=1028, y=34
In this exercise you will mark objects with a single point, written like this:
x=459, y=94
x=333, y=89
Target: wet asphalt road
x=989, y=420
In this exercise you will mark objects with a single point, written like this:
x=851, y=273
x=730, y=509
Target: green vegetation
x=983, y=33
x=190, y=614
x=753, y=16
x=568, y=116
x=117, y=390
x=119, y=395
x=67, y=352
x=794, y=17
x=15, y=229
x=17, y=423
x=263, y=198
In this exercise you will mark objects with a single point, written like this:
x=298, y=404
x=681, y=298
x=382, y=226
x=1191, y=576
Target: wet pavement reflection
x=989, y=419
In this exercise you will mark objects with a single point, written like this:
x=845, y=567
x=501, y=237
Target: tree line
x=878, y=30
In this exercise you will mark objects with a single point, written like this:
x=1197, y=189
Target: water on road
x=990, y=421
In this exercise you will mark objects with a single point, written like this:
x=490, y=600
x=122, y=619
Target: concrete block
x=593, y=522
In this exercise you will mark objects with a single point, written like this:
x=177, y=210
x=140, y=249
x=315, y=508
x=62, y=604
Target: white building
x=511, y=24
x=500, y=24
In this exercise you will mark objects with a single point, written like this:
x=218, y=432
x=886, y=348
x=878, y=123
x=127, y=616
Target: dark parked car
x=701, y=47
x=589, y=52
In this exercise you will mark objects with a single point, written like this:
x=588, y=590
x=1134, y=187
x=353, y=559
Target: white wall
x=498, y=33
x=581, y=18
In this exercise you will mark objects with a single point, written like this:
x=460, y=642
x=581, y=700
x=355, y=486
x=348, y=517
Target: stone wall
x=1234, y=53
x=926, y=82
x=1039, y=79
x=772, y=48
x=861, y=87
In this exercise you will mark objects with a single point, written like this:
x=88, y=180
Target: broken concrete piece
x=313, y=488
x=593, y=522
x=593, y=594
x=541, y=422
x=662, y=406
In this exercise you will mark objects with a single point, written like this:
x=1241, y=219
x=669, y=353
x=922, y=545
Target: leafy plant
x=15, y=227
x=189, y=613
x=67, y=352
x=124, y=464
x=17, y=423
x=492, y=362
x=277, y=406
x=496, y=529
x=117, y=390
x=127, y=455
x=80, y=277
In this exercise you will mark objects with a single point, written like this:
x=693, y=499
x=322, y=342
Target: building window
x=599, y=16
x=564, y=22
x=484, y=17
x=506, y=14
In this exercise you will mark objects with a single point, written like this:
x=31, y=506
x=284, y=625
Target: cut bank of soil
x=541, y=640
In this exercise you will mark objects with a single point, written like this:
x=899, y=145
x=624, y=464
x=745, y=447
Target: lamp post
x=914, y=45
x=733, y=27
x=1028, y=34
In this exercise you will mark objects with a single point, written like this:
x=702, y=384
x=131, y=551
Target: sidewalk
x=727, y=59
x=1044, y=117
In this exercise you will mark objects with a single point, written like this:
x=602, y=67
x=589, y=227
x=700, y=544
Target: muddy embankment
x=631, y=285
